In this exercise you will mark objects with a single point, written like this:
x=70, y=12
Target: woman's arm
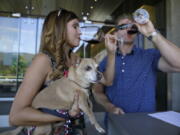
x=21, y=111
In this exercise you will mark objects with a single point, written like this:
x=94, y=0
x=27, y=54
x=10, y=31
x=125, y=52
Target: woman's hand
x=74, y=111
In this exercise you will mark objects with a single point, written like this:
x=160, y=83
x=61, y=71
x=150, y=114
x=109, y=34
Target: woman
x=59, y=35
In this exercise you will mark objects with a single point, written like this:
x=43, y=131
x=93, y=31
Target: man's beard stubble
x=128, y=42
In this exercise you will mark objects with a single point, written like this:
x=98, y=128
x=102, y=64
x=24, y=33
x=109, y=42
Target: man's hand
x=113, y=109
x=110, y=43
x=117, y=110
x=146, y=29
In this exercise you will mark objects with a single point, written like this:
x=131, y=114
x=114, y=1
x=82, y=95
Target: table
x=137, y=124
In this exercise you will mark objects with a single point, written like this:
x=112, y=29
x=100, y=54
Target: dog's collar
x=66, y=73
x=79, y=85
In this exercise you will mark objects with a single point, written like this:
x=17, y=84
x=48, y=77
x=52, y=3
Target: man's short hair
x=124, y=16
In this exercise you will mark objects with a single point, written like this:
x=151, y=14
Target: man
x=133, y=87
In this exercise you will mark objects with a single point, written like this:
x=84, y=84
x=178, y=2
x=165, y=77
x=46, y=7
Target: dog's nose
x=99, y=76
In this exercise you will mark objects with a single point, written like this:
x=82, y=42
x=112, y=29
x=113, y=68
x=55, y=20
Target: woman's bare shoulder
x=34, y=77
x=40, y=63
x=42, y=58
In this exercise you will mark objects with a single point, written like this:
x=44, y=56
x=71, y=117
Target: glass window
x=40, y=22
x=19, y=41
x=9, y=35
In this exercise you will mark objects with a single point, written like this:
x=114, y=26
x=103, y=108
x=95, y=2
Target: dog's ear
x=78, y=61
x=75, y=59
x=100, y=56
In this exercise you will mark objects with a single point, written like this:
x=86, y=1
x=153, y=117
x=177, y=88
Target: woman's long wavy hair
x=53, y=39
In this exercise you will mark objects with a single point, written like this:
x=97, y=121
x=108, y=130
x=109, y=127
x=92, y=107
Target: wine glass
x=141, y=16
x=91, y=34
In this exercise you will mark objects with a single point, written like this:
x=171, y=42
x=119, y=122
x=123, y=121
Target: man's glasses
x=124, y=26
x=132, y=28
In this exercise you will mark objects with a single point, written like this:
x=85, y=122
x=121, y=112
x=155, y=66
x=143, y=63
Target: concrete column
x=173, y=34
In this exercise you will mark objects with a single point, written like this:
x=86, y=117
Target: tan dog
x=60, y=94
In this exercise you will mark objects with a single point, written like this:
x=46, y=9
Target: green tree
x=21, y=63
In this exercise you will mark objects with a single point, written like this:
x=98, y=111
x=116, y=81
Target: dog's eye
x=88, y=68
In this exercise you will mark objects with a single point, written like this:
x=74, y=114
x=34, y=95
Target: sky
x=23, y=34
x=19, y=31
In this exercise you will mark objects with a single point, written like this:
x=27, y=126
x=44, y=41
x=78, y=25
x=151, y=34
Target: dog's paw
x=99, y=129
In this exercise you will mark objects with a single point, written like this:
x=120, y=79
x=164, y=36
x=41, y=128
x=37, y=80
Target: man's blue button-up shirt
x=134, y=84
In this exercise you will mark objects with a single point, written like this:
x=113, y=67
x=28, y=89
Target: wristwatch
x=152, y=35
